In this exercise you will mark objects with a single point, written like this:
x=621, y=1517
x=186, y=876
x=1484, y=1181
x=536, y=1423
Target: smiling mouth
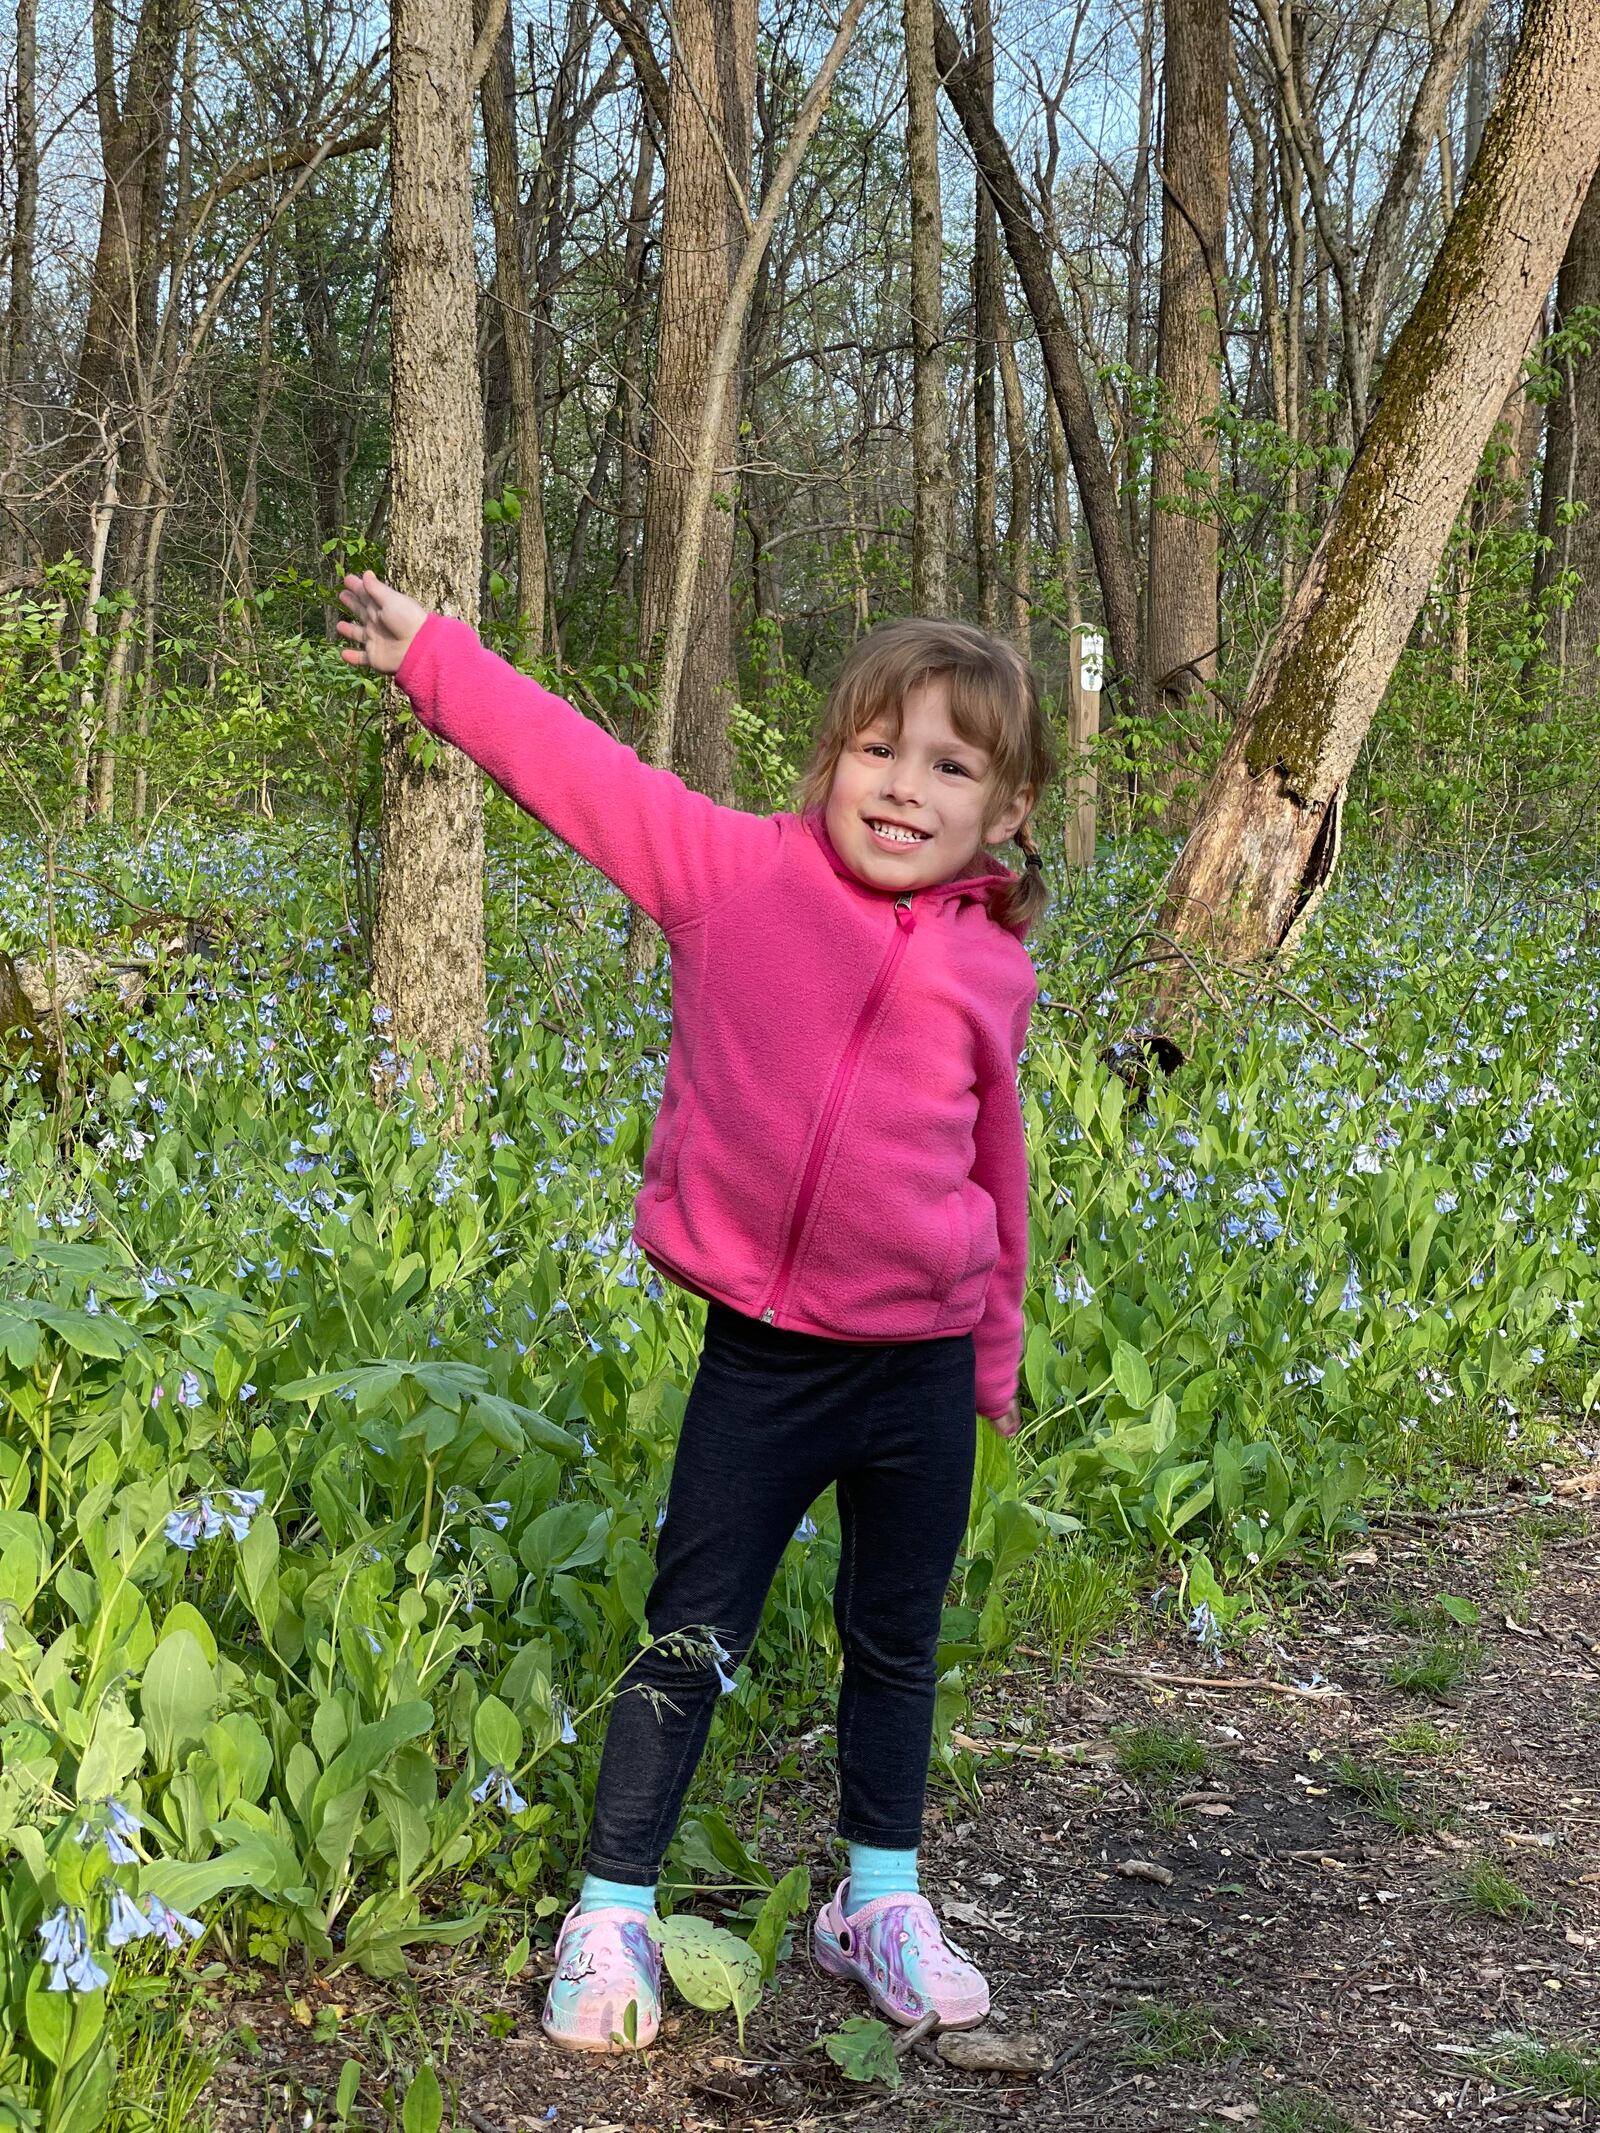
x=896, y=833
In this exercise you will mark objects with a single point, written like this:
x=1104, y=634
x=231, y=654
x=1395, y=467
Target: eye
x=960, y=769
x=875, y=748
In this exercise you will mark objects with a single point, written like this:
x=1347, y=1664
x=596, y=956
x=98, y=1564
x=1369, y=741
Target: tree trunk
x=1097, y=488
x=135, y=125
x=1182, y=601
x=19, y=304
x=711, y=116
x=930, y=401
x=499, y=98
x=428, y=952
x=1268, y=827
x=1571, y=468
x=630, y=379
x=985, y=333
x=1019, y=541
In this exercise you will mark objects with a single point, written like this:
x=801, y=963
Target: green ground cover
x=334, y=1449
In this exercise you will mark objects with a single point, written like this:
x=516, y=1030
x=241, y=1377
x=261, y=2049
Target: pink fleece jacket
x=839, y=1148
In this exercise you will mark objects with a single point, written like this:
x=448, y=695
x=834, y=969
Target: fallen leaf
x=1575, y=1939
x=989, y=2051
x=1238, y=2114
x=1368, y=1557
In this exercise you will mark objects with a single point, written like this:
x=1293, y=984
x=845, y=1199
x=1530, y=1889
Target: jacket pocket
x=974, y=1224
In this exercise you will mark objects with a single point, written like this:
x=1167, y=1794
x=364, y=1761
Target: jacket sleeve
x=668, y=849
x=1000, y=1166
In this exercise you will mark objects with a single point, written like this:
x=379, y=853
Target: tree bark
x=930, y=400
x=1019, y=538
x=1097, y=489
x=1268, y=826
x=499, y=100
x=722, y=370
x=14, y=544
x=135, y=124
x=630, y=377
x=985, y=334
x=428, y=950
x=1572, y=468
x=1182, y=596
x=702, y=233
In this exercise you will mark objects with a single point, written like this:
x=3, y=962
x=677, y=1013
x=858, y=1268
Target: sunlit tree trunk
x=1182, y=596
x=702, y=236
x=14, y=541
x=428, y=951
x=930, y=401
x=985, y=333
x=1267, y=831
x=499, y=97
x=1569, y=502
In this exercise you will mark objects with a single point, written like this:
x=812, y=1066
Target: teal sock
x=598, y=1894
x=875, y=1872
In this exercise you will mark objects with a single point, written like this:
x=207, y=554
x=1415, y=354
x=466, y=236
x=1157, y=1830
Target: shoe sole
x=832, y=1958
x=608, y=2044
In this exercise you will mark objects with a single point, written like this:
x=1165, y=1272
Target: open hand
x=380, y=625
x=1010, y=1422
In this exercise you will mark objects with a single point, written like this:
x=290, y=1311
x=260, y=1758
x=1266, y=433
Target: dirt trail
x=1305, y=1943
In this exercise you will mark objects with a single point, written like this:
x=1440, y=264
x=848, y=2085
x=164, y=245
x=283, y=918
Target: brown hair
x=994, y=703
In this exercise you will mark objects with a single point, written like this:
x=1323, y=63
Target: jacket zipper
x=905, y=926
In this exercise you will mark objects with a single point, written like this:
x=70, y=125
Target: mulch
x=1256, y=1945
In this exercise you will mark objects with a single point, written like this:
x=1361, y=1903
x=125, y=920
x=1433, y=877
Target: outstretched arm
x=672, y=851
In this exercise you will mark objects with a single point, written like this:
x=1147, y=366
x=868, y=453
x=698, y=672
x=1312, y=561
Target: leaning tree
x=1267, y=830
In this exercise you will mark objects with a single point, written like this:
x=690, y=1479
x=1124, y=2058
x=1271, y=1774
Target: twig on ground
x=1075, y=1751
x=1254, y=1686
x=909, y=2039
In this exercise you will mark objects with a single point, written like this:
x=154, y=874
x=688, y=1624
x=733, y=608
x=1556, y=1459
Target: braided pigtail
x=1028, y=897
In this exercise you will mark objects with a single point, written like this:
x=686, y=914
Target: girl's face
x=908, y=810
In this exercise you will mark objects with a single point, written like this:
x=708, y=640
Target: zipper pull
x=902, y=913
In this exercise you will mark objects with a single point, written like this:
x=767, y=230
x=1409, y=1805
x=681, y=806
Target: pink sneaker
x=897, y=1949
x=605, y=1963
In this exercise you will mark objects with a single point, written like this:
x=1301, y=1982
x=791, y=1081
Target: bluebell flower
x=128, y=1922
x=507, y=1797
x=65, y=1935
x=190, y=1393
x=91, y=1304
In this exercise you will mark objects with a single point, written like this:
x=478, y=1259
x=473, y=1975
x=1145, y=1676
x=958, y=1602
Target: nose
x=903, y=784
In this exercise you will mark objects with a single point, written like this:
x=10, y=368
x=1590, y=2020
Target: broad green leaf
x=176, y=1697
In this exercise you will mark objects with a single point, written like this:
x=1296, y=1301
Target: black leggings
x=772, y=1419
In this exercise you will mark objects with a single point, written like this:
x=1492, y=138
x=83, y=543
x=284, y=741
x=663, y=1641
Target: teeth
x=898, y=836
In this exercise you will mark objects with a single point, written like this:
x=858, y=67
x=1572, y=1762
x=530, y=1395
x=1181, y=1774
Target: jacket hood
x=982, y=886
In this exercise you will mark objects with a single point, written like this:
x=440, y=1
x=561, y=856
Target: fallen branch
x=1089, y=1751
x=1256, y=1685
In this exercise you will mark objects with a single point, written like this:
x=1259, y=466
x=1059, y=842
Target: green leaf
x=370, y=1747
x=176, y=1697
x=787, y=1900
x=424, y=2105
x=496, y=1734
x=710, y=1966
x=88, y=2098
x=1463, y=1611
x=863, y=2050
x=349, y=2089
x=1130, y=1373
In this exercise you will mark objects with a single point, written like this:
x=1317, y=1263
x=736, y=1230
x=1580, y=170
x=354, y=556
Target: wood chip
x=1145, y=1870
x=991, y=2051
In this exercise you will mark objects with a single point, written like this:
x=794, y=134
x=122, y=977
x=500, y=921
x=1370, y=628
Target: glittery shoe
x=605, y=1963
x=897, y=1949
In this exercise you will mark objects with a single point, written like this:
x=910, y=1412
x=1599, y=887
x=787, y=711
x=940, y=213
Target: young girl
x=838, y=1168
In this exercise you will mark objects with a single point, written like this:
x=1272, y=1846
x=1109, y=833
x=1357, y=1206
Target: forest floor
x=1309, y=1939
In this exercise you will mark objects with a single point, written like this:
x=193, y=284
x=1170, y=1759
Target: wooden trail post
x=1085, y=681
